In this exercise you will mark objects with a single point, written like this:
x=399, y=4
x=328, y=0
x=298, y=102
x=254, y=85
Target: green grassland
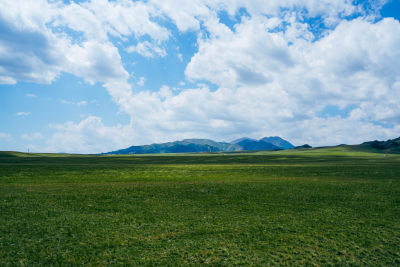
x=330, y=206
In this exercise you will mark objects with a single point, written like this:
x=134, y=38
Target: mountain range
x=207, y=145
x=249, y=144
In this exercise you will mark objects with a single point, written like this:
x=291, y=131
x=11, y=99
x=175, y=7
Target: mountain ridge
x=249, y=144
x=207, y=145
x=388, y=146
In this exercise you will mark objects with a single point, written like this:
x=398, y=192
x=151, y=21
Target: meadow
x=312, y=207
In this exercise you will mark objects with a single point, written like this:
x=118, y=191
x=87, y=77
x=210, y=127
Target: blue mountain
x=207, y=145
x=277, y=141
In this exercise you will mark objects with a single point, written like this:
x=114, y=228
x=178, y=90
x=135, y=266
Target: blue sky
x=95, y=76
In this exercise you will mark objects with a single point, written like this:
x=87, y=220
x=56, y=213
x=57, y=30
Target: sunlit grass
x=310, y=207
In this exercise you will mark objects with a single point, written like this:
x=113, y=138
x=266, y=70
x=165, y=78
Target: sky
x=96, y=76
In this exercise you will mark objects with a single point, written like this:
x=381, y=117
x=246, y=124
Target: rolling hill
x=389, y=146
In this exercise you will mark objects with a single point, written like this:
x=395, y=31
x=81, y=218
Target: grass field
x=315, y=207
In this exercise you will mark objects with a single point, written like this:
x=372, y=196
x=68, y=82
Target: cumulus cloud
x=251, y=54
x=186, y=15
x=89, y=136
x=78, y=104
x=141, y=81
x=227, y=114
x=221, y=115
x=33, y=61
x=190, y=15
x=22, y=113
x=49, y=53
x=6, y=137
x=352, y=65
x=147, y=49
x=7, y=80
x=33, y=136
x=118, y=18
x=86, y=51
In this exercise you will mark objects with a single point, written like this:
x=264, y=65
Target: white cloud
x=89, y=136
x=51, y=50
x=81, y=103
x=189, y=15
x=33, y=136
x=95, y=62
x=184, y=14
x=7, y=80
x=30, y=95
x=141, y=81
x=78, y=104
x=224, y=114
x=180, y=57
x=354, y=64
x=22, y=113
x=233, y=58
x=33, y=61
x=125, y=18
x=6, y=137
x=228, y=114
x=48, y=53
x=147, y=49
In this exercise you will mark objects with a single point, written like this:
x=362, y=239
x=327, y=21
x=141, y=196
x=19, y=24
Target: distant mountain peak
x=242, y=139
x=277, y=141
x=208, y=145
